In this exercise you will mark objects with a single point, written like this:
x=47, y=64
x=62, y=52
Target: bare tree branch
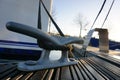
x=82, y=22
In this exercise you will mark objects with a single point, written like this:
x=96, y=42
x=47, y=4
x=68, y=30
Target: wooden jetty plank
x=85, y=76
x=89, y=68
x=49, y=74
x=39, y=75
x=91, y=77
x=27, y=76
x=104, y=71
x=93, y=72
x=7, y=72
x=11, y=75
x=97, y=70
x=56, y=74
x=78, y=72
x=107, y=58
x=4, y=67
x=100, y=70
x=65, y=74
x=18, y=76
x=73, y=72
x=108, y=66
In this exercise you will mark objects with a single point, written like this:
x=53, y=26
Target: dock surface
x=89, y=68
x=96, y=66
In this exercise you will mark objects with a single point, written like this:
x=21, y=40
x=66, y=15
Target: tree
x=82, y=22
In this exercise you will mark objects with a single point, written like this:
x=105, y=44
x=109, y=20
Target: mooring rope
x=57, y=27
x=108, y=13
x=98, y=14
x=39, y=16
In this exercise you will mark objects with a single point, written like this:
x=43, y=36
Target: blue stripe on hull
x=19, y=50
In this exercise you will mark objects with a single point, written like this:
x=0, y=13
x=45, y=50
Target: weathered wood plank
x=83, y=72
x=65, y=74
x=39, y=75
x=74, y=75
x=56, y=74
x=4, y=67
x=79, y=73
x=108, y=66
x=90, y=68
x=86, y=71
x=96, y=75
x=7, y=72
x=49, y=74
x=98, y=71
x=18, y=76
x=103, y=70
x=27, y=76
x=11, y=75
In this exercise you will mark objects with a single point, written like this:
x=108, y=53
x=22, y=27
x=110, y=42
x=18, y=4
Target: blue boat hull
x=113, y=45
x=19, y=50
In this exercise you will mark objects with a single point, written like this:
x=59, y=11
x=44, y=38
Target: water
x=115, y=56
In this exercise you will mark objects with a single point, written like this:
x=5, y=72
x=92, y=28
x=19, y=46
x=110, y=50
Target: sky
x=67, y=11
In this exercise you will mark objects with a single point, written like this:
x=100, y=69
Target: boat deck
x=95, y=67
